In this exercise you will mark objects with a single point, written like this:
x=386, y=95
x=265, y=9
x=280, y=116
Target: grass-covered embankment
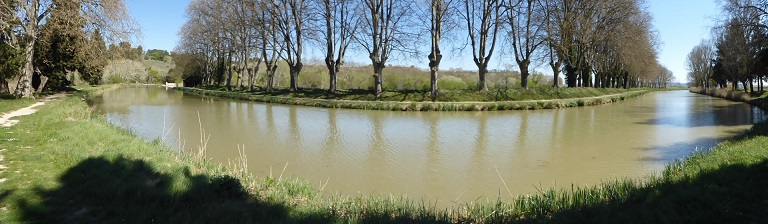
x=759, y=99
x=454, y=100
x=65, y=164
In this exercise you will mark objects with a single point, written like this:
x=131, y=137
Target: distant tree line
x=41, y=41
x=737, y=53
x=595, y=43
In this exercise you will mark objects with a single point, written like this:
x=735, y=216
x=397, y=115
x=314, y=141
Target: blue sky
x=681, y=25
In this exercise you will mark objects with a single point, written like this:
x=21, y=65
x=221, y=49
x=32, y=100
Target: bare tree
x=439, y=14
x=290, y=17
x=524, y=19
x=385, y=24
x=270, y=47
x=341, y=23
x=551, y=38
x=483, y=19
x=699, y=64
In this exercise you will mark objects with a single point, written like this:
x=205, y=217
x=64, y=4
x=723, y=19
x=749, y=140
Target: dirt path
x=5, y=119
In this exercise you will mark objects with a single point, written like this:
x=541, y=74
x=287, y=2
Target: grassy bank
x=66, y=164
x=11, y=105
x=464, y=100
x=759, y=99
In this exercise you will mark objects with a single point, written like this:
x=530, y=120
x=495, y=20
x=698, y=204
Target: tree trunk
x=556, y=73
x=294, y=70
x=333, y=70
x=626, y=80
x=4, y=88
x=24, y=87
x=524, y=73
x=43, y=81
x=250, y=79
x=377, y=80
x=482, y=72
x=271, y=68
x=229, y=73
x=332, y=81
x=434, y=67
x=240, y=77
x=570, y=75
x=433, y=91
x=586, y=78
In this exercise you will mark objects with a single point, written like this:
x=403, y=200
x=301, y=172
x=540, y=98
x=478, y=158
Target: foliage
x=118, y=71
x=96, y=59
x=61, y=47
x=737, y=54
x=447, y=82
x=156, y=54
x=189, y=68
x=10, y=66
x=154, y=76
x=124, y=50
x=23, y=22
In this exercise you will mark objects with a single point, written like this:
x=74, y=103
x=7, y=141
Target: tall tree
x=525, y=29
x=95, y=59
x=551, y=38
x=270, y=47
x=290, y=17
x=700, y=64
x=62, y=44
x=385, y=25
x=341, y=21
x=10, y=65
x=483, y=19
x=439, y=14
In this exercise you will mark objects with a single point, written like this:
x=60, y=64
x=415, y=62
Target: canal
x=442, y=158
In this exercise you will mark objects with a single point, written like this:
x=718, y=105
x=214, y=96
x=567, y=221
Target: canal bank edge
x=734, y=95
x=419, y=106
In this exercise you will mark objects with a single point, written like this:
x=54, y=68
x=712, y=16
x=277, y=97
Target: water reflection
x=438, y=156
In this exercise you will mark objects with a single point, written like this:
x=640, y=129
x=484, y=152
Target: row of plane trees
x=592, y=43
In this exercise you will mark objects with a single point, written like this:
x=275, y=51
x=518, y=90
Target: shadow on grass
x=730, y=193
x=735, y=193
x=123, y=190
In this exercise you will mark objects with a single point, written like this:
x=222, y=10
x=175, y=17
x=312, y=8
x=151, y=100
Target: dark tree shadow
x=731, y=194
x=735, y=193
x=99, y=190
x=122, y=190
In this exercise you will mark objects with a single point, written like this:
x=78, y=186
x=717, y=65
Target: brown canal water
x=442, y=158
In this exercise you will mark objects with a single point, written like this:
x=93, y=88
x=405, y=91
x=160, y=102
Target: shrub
x=125, y=71
x=451, y=83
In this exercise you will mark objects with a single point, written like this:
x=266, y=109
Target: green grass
x=68, y=165
x=465, y=100
x=464, y=95
x=11, y=105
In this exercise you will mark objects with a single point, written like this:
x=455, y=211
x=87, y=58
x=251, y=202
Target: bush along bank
x=419, y=106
